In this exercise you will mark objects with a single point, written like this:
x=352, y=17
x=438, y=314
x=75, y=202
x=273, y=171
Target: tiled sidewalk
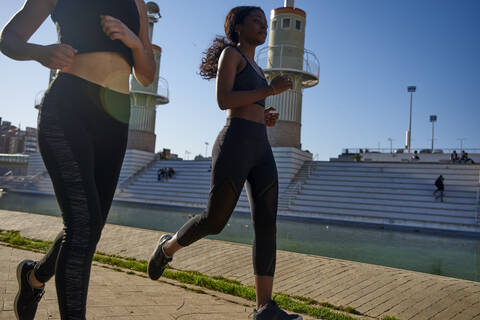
x=373, y=290
x=118, y=295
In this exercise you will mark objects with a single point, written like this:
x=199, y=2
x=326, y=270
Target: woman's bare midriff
x=252, y=112
x=107, y=69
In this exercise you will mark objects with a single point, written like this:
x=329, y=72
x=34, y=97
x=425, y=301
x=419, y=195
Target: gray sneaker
x=271, y=311
x=158, y=261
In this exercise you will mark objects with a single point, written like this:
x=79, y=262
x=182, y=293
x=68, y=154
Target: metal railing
x=163, y=88
x=14, y=157
x=162, y=92
x=310, y=169
x=403, y=150
x=21, y=181
x=39, y=98
x=298, y=188
x=290, y=58
x=128, y=180
x=477, y=201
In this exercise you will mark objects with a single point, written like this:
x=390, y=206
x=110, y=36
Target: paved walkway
x=117, y=295
x=373, y=290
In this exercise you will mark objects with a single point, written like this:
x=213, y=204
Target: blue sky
x=369, y=52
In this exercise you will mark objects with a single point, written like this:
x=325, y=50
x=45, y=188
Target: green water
x=451, y=256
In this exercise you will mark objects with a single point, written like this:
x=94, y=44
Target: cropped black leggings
x=241, y=153
x=82, y=134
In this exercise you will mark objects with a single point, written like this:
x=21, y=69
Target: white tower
x=286, y=54
x=141, y=134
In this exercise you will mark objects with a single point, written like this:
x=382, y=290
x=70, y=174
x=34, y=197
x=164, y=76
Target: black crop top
x=78, y=24
x=249, y=79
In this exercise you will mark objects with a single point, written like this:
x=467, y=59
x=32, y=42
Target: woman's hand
x=280, y=84
x=56, y=56
x=270, y=118
x=117, y=30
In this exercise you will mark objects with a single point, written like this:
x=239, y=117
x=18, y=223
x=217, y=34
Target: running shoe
x=158, y=261
x=271, y=311
x=27, y=298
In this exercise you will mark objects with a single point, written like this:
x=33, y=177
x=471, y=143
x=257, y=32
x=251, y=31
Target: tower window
x=298, y=25
x=286, y=23
x=274, y=24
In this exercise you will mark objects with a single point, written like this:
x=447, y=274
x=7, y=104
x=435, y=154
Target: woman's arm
x=143, y=60
x=229, y=99
x=16, y=33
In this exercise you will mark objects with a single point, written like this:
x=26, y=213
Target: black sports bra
x=249, y=79
x=78, y=24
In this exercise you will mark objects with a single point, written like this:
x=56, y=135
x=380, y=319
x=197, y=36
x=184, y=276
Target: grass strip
x=305, y=305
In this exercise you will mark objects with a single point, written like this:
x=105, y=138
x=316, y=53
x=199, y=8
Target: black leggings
x=82, y=134
x=241, y=153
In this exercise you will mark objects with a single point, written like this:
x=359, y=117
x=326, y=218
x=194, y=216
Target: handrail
x=24, y=181
x=387, y=150
x=298, y=186
x=134, y=175
x=477, y=213
x=310, y=165
x=35, y=178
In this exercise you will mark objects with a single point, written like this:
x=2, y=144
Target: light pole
x=410, y=89
x=206, y=149
x=433, y=118
x=391, y=149
x=461, y=142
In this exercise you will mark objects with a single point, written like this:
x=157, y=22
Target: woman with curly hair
x=240, y=154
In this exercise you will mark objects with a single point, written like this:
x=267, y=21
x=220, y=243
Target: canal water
x=447, y=255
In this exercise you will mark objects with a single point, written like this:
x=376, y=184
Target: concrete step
x=368, y=212
x=396, y=169
x=152, y=177
x=358, y=202
x=454, y=178
x=391, y=180
x=383, y=189
x=382, y=221
x=423, y=196
x=397, y=185
x=186, y=199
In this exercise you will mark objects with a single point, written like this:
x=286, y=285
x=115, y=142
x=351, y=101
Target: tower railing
x=163, y=89
x=162, y=94
x=286, y=58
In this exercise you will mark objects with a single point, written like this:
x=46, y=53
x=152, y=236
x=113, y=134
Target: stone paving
x=375, y=291
x=118, y=295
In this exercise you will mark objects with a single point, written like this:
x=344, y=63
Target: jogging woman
x=82, y=129
x=241, y=153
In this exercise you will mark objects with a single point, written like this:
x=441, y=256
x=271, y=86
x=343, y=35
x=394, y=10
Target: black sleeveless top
x=249, y=79
x=78, y=24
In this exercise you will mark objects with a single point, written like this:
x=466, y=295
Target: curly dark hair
x=209, y=65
